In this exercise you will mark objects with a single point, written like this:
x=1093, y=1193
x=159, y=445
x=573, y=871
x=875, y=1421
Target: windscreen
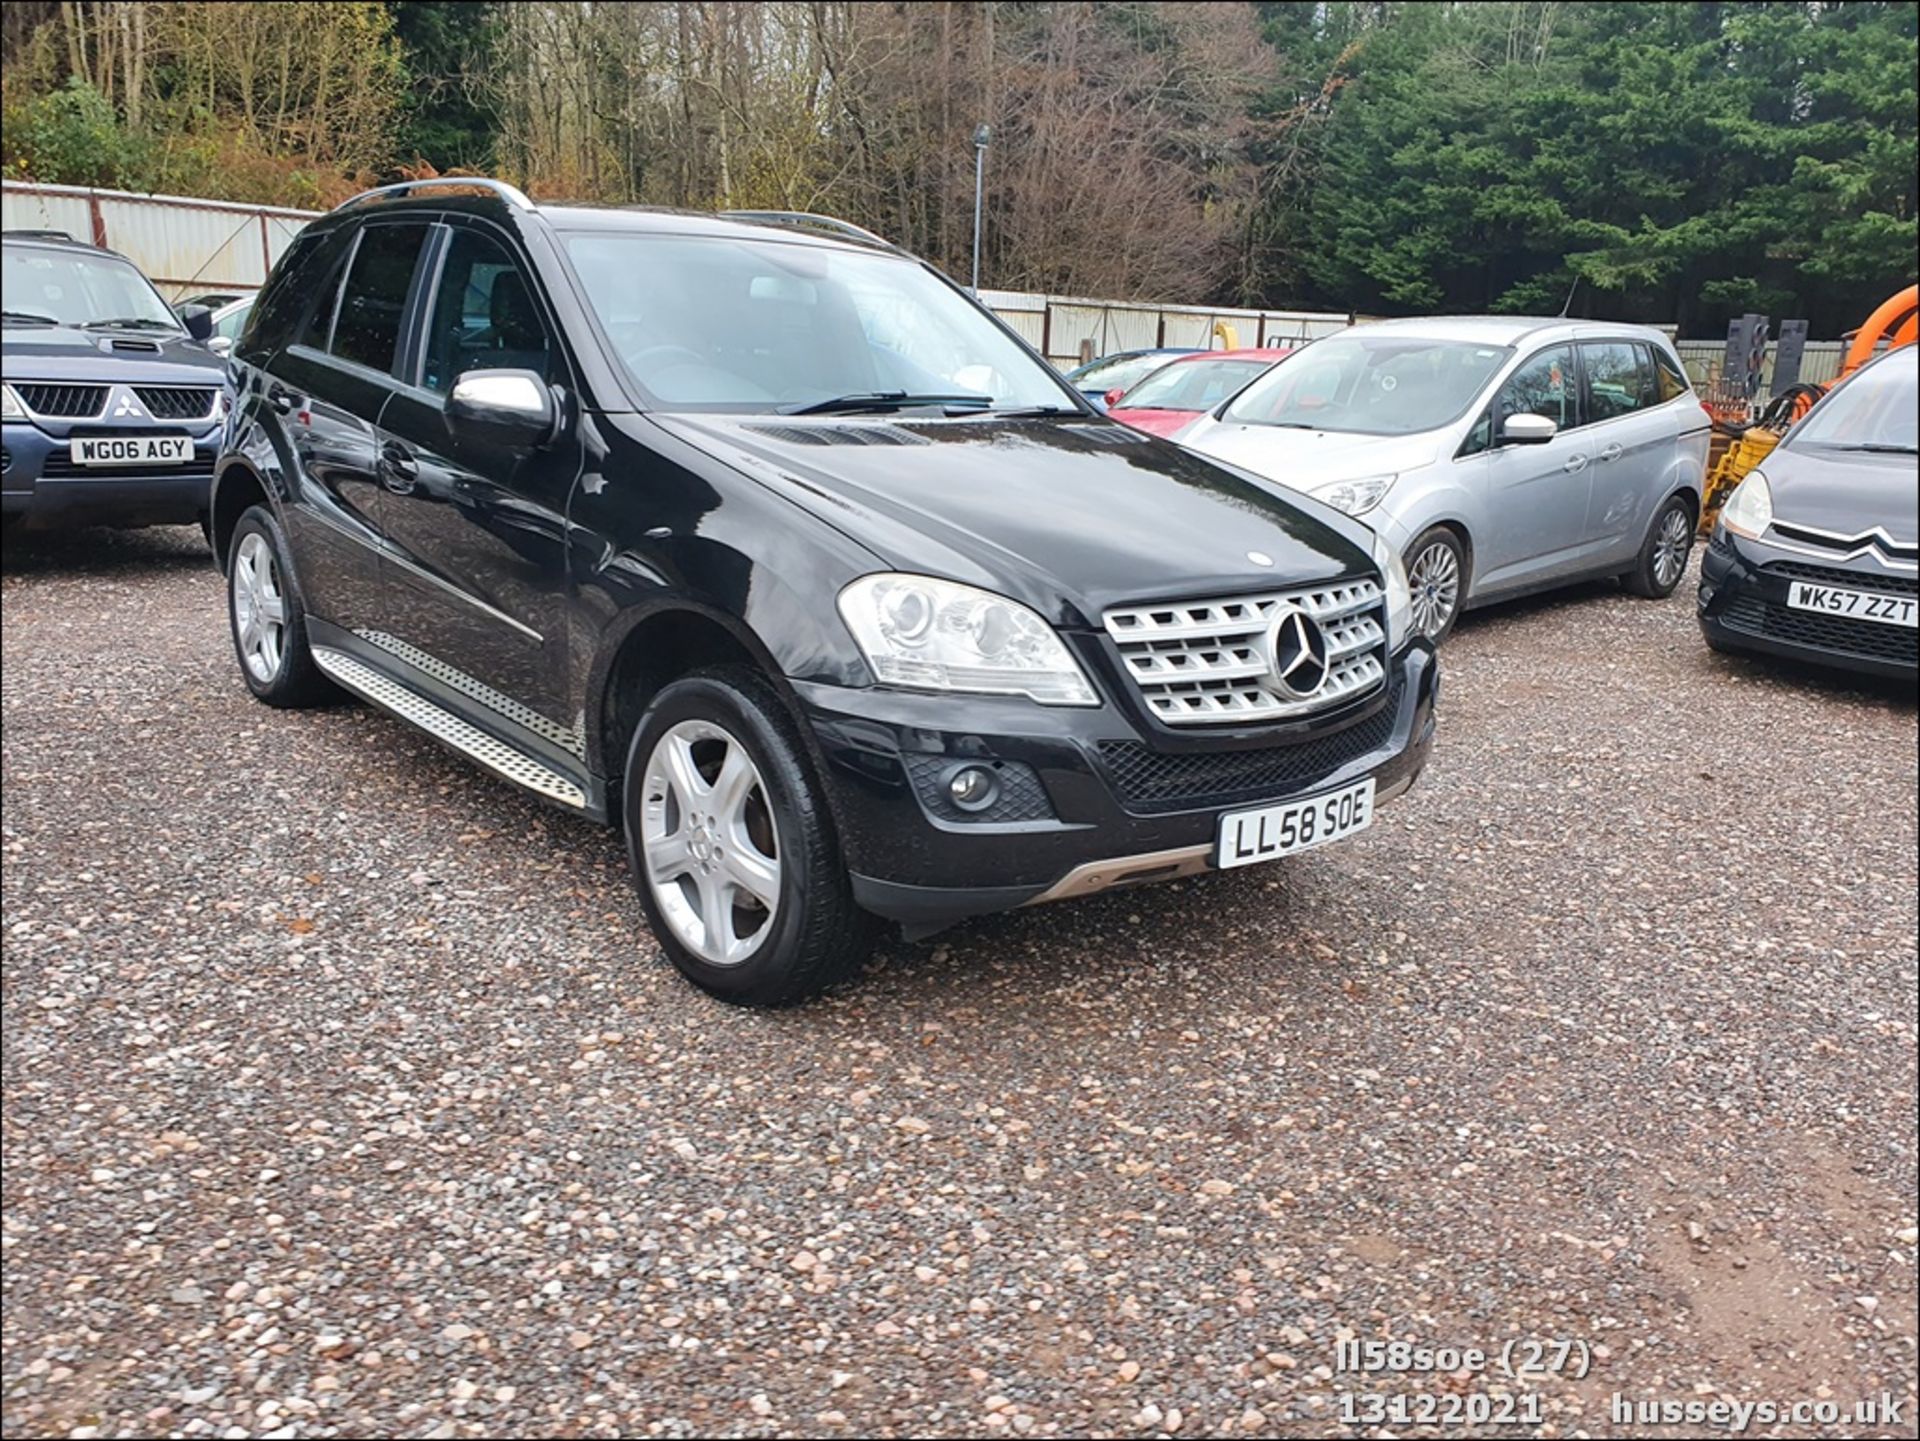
x=1370, y=385
x=72, y=287
x=1875, y=409
x=1190, y=385
x=717, y=323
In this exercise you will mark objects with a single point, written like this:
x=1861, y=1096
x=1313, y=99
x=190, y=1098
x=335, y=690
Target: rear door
x=1533, y=497
x=327, y=389
x=477, y=531
x=1632, y=441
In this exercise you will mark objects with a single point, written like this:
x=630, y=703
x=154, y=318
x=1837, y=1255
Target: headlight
x=1355, y=497
x=1393, y=573
x=1749, y=510
x=10, y=406
x=932, y=634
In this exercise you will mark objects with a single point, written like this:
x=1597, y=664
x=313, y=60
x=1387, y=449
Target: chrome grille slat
x=1200, y=662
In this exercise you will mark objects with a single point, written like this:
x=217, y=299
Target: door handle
x=398, y=469
x=282, y=400
x=1573, y=464
x=1611, y=452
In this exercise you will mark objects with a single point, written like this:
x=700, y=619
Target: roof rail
x=506, y=192
x=807, y=220
x=39, y=235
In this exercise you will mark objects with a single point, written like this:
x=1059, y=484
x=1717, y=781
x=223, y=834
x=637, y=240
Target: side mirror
x=502, y=407
x=1112, y=397
x=1528, y=429
x=221, y=344
x=198, y=320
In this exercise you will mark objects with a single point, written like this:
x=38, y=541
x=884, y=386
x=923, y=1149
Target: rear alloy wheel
x=1663, y=555
x=269, y=623
x=1436, y=576
x=734, y=852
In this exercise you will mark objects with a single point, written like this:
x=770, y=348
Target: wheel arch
x=236, y=487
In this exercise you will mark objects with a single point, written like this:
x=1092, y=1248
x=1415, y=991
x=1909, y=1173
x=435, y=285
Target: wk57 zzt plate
x=1275, y=831
x=1856, y=604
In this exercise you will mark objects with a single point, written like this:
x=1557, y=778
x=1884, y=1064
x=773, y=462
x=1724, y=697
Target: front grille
x=176, y=402
x=66, y=401
x=1203, y=662
x=1847, y=579
x=1861, y=639
x=1874, y=540
x=1022, y=797
x=1148, y=780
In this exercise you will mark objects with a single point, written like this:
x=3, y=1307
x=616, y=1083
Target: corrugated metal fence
x=186, y=246
x=190, y=246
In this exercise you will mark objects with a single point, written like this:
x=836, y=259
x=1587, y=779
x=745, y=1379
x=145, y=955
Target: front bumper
x=1098, y=803
x=1742, y=605
x=41, y=485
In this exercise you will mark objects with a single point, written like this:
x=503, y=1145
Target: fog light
x=973, y=788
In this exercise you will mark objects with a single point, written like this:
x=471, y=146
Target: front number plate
x=1901, y=610
x=1275, y=831
x=131, y=449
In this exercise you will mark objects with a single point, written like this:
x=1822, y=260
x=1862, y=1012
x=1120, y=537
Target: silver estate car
x=1498, y=456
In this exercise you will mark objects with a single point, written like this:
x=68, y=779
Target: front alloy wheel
x=1434, y=570
x=709, y=843
x=269, y=621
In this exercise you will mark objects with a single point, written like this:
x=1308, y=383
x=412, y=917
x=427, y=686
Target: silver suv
x=1498, y=456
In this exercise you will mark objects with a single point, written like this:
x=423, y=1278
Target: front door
x=477, y=531
x=1534, y=496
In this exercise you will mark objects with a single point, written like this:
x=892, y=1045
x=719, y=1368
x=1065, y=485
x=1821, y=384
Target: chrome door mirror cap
x=505, y=406
x=1527, y=429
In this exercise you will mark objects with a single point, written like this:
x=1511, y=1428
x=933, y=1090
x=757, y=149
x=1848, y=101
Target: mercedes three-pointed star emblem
x=1297, y=647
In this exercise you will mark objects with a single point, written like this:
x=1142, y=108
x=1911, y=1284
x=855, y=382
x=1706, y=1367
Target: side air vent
x=840, y=434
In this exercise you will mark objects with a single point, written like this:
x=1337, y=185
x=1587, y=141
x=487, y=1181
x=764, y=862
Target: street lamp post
x=981, y=135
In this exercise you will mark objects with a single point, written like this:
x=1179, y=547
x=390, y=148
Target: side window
x=317, y=333
x=484, y=316
x=1619, y=378
x=367, y=331
x=283, y=300
x=1542, y=386
x=1669, y=378
x=233, y=322
x=1479, y=438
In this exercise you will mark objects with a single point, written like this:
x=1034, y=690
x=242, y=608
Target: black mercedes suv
x=757, y=537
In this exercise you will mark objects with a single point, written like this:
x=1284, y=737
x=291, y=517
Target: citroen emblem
x=1298, y=648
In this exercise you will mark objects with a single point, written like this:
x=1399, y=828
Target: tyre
x=733, y=850
x=269, y=623
x=1437, y=575
x=1663, y=554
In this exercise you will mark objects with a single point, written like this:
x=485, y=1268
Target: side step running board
x=472, y=742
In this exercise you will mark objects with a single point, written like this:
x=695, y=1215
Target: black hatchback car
x=1816, y=556
x=759, y=538
x=112, y=407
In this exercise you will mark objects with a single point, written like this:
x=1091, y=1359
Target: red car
x=1174, y=394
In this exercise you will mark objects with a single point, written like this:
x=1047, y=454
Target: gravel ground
x=345, y=1094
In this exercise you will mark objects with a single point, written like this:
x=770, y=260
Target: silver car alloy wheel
x=1434, y=578
x=1670, y=547
x=259, y=607
x=708, y=842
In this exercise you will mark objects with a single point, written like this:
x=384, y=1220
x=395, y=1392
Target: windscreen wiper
x=878, y=400
x=1876, y=447
x=132, y=322
x=1017, y=412
x=33, y=316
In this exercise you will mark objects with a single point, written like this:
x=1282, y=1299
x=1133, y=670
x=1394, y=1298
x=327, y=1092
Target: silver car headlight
x=930, y=634
x=10, y=406
x=1355, y=497
x=1749, y=510
x=1393, y=574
